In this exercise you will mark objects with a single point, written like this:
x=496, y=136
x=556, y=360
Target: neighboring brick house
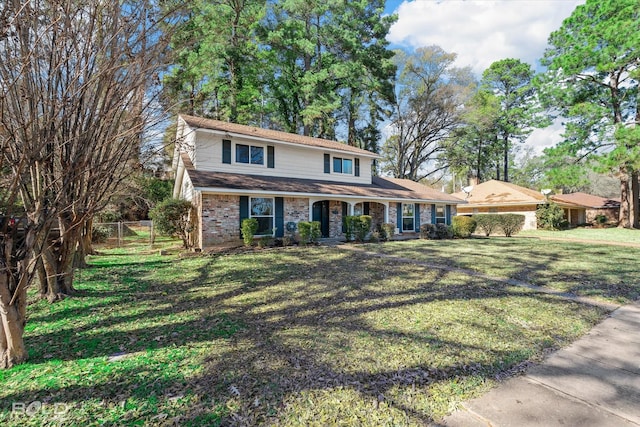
x=504, y=197
x=231, y=172
x=592, y=206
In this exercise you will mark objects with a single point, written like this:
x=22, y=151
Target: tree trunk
x=85, y=246
x=13, y=306
x=625, y=200
x=506, y=159
x=58, y=259
x=12, y=349
x=635, y=199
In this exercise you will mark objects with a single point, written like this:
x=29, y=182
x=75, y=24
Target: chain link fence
x=123, y=233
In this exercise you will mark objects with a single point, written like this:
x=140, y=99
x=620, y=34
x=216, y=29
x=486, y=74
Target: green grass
x=614, y=235
x=600, y=271
x=293, y=336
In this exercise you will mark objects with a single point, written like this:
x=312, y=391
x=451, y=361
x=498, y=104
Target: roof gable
x=272, y=135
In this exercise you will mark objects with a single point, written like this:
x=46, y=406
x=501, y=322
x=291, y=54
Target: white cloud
x=481, y=31
x=546, y=137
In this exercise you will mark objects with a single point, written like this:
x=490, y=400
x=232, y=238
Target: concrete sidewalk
x=595, y=382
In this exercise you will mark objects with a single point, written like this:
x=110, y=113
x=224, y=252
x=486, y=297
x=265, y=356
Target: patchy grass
x=600, y=271
x=294, y=336
x=613, y=235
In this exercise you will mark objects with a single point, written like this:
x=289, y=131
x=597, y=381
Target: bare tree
x=74, y=80
x=430, y=97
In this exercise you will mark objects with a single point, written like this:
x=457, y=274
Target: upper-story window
x=249, y=154
x=342, y=165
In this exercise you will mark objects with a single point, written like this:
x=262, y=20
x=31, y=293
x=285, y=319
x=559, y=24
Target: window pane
x=407, y=209
x=261, y=206
x=257, y=155
x=337, y=165
x=265, y=225
x=407, y=224
x=440, y=220
x=242, y=153
x=347, y=166
x=440, y=210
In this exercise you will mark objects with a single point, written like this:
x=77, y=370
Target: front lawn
x=614, y=234
x=605, y=272
x=293, y=336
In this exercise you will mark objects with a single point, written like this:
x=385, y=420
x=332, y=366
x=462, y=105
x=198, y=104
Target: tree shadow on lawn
x=284, y=328
x=591, y=270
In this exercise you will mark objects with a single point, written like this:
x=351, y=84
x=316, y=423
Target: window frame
x=441, y=219
x=343, y=162
x=272, y=215
x=407, y=217
x=250, y=154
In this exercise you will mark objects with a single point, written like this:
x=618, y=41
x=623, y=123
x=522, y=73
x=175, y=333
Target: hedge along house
x=231, y=172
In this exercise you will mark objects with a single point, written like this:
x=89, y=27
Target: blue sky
x=481, y=32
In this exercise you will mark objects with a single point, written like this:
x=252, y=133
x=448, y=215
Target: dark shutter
x=271, y=161
x=279, y=208
x=365, y=208
x=433, y=214
x=399, y=215
x=226, y=151
x=327, y=163
x=244, y=210
x=448, y=219
x=357, y=167
x=416, y=221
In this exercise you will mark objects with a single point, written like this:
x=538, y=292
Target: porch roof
x=587, y=200
x=383, y=189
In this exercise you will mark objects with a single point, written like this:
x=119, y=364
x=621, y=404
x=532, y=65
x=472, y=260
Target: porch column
x=386, y=212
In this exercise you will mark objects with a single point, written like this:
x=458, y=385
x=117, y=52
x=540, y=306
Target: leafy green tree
x=216, y=70
x=330, y=67
x=511, y=81
x=592, y=81
x=430, y=95
x=174, y=217
x=474, y=152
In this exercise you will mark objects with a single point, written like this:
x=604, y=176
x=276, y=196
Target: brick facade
x=220, y=219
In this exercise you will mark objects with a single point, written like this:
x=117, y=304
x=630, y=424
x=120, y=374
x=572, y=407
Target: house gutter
x=322, y=195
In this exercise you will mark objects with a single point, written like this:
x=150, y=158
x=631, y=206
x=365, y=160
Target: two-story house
x=231, y=172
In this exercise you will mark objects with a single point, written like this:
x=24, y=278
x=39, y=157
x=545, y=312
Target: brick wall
x=335, y=219
x=296, y=209
x=220, y=219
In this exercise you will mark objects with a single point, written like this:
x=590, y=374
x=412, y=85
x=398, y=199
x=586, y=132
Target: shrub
x=171, y=217
x=601, y=220
x=100, y=234
x=309, y=231
x=362, y=227
x=387, y=231
x=488, y=223
x=436, y=231
x=510, y=224
x=463, y=226
x=249, y=228
x=550, y=216
x=349, y=222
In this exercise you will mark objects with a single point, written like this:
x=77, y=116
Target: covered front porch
x=330, y=213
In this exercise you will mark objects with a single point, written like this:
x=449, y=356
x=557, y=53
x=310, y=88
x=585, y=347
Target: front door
x=321, y=214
